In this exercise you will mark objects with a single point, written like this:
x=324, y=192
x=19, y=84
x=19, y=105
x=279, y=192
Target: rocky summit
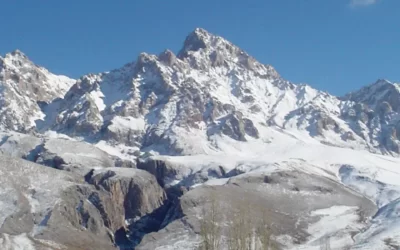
x=204, y=149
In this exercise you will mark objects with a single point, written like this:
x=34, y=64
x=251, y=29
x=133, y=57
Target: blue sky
x=333, y=45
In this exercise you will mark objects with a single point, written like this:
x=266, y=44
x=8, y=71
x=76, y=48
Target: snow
x=120, y=150
x=379, y=186
x=41, y=186
x=126, y=123
x=217, y=182
x=16, y=242
x=305, y=153
x=8, y=198
x=375, y=176
x=97, y=97
x=334, y=226
x=51, y=244
x=31, y=83
x=54, y=135
x=384, y=228
x=123, y=172
x=181, y=241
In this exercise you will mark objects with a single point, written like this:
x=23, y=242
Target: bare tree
x=263, y=232
x=325, y=243
x=241, y=231
x=210, y=224
x=244, y=226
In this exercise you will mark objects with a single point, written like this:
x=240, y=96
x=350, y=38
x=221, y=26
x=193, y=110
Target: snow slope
x=372, y=175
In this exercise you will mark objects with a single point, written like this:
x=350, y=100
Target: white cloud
x=356, y=3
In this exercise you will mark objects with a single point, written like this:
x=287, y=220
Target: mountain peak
x=16, y=59
x=16, y=54
x=373, y=95
x=196, y=40
x=203, y=49
x=200, y=32
x=380, y=85
x=382, y=82
x=202, y=40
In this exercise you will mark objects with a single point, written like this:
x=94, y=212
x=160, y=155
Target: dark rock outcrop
x=135, y=191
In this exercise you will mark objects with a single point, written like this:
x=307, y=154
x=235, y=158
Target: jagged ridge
x=181, y=104
x=24, y=86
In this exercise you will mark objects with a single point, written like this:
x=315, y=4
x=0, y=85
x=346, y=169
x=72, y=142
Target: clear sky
x=333, y=45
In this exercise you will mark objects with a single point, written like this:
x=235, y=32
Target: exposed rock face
x=41, y=202
x=360, y=112
x=142, y=203
x=250, y=129
x=390, y=140
x=91, y=214
x=217, y=60
x=218, y=49
x=23, y=85
x=194, y=42
x=389, y=93
x=121, y=130
x=234, y=126
x=168, y=57
x=82, y=118
x=161, y=169
x=73, y=214
x=134, y=190
x=379, y=113
x=325, y=123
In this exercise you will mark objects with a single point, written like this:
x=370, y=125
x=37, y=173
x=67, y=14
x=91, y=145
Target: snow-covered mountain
x=179, y=104
x=211, y=115
x=376, y=114
x=23, y=86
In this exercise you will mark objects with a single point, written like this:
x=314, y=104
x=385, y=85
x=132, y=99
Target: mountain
x=210, y=121
x=377, y=114
x=178, y=104
x=24, y=86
